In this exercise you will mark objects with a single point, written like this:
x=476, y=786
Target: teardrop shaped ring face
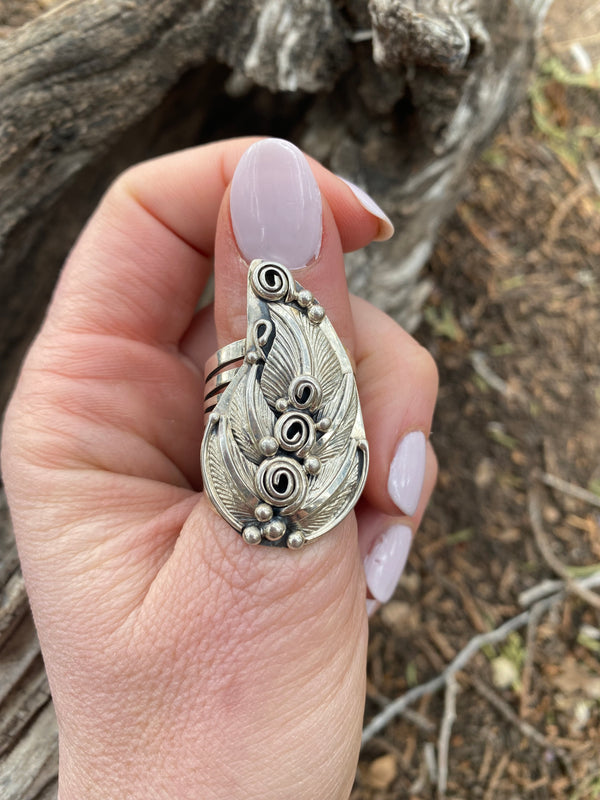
x=284, y=454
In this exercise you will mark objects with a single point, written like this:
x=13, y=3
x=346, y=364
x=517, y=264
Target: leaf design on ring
x=286, y=440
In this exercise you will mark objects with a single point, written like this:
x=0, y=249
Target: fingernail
x=385, y=562
x=371, y=606
x=386, y=228
x=407, y=472
x=276, y=205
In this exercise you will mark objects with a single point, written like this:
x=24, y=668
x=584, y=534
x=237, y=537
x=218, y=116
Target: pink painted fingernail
x=275, y=205
x=371, y=606
x=386, y=227
x=385, y=561
x=407, y=472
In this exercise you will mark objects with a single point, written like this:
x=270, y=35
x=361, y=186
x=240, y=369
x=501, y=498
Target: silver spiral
x=305, y=392
x=281, y=483
x=271, y=281
x=295, y=432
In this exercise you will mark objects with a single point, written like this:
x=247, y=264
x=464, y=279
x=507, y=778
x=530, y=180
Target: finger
x=397, y=381
x=200, y=340
x=385, y=541
x=173, y=187
x=136, y=273
x=275, y=211
x=298, y=615
x=276, y=641
x=373, y=522
x=145, y=256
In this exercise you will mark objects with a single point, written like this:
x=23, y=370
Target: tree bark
x=397, y=95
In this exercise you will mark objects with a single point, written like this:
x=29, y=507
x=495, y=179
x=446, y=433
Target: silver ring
x=284, y=455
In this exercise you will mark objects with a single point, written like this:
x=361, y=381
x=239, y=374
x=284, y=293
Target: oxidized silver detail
x=295, y=432
x=284, y=455
x=281, y=481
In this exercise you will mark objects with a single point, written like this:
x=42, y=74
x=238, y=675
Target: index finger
x=144, y=258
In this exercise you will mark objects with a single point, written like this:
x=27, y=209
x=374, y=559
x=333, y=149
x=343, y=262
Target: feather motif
x=331, y=468
x=250, y=416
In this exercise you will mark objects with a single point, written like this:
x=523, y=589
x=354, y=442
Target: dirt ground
x=514, y=324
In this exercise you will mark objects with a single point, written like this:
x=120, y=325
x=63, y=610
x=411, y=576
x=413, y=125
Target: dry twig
x=561, y=213
x=554, y=482
x=487, y=374
x=430, y=761
x=547, y=587
x=409, y=714
x=537, y=611
x=540, y=590
x=494, y=381
x=496, y=777
x=486, y=762
x=511, y=716
x=499, y=252
x=445, y=731
x=535, y=516
x=473, y=646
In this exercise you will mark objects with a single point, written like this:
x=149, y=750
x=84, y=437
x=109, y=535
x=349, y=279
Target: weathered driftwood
x=397, y=95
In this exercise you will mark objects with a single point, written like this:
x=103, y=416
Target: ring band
x=284, y=454
x=224, y=357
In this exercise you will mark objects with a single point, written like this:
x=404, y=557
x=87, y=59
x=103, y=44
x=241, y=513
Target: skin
x=182, y=662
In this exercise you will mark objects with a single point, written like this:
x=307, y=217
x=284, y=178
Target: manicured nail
x=386, y=228
x=385, y=562
x=276, y=205
x=371, y=607
x=407, y=472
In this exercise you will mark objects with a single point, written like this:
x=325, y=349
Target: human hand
x=182, y=662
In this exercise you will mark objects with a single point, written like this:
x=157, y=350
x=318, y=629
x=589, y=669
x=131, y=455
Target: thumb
x=278, y=638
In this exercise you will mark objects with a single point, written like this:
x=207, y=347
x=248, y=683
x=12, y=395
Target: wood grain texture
x=28, y=732
x=74, y=80
x=398, y=97
x=29, y=770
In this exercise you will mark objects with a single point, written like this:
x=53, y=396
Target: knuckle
x=123, y=189
x=428, y=369
x=126, y=180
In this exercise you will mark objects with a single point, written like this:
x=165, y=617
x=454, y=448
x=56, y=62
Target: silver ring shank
x=217, y=375
x=232, y=352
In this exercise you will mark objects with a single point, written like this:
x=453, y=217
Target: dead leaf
x=575, y=678
x=382, y=772
x=401, y=617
